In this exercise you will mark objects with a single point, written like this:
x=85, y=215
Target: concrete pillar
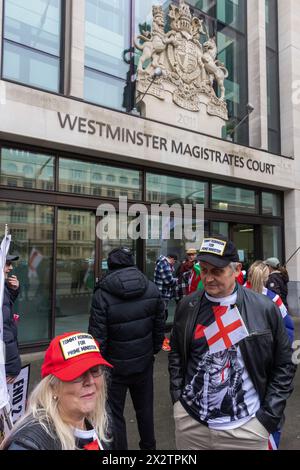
x=75, y=69
x=289, y=73
x=257, y=73
x=1, y=24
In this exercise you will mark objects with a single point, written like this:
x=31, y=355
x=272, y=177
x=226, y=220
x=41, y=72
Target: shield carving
x=185, y=59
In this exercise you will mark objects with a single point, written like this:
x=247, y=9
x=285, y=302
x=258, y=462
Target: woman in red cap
x=67, y=409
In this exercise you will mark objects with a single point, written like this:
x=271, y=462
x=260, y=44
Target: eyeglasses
x=94, y=371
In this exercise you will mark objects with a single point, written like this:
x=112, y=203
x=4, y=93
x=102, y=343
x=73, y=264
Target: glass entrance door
x=81, y=259
x=75, y=269
x=243, y=237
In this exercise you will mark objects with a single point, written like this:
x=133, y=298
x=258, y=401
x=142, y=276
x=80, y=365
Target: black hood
x=120, y=258
x=126, y=283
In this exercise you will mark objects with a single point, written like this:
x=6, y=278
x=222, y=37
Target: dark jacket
x=127, y=318
x=10, y=333
x=278, y=282
x=266, y=351
x=33, y=436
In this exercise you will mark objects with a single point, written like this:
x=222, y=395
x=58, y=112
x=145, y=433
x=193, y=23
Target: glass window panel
x=207, y=6
x=271, y=24
x=273, y=90
x=170, y=190
x=31, y=67
x=32, y=230
x=274, y=145
x=162, y=246
x=272, y=241
x=243, y=238
x=232, y=13
x=107, y=35
x=75, y=278
x=271, y=204
x=227, y=198
x=273, y=102
x=220, y=228
x=110, y=244
x=232, y=52
x=34, y=23
x=104, y=90
x=25, y=167
x=78, y=177
x=143, y=13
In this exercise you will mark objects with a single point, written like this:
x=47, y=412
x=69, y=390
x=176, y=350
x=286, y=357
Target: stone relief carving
x=188, y=68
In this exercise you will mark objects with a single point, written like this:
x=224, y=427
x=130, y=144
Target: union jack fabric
x=277, y=300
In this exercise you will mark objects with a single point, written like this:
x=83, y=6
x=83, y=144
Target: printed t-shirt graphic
x=219, y=390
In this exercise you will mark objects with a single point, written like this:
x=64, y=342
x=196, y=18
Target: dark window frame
x=61, y=57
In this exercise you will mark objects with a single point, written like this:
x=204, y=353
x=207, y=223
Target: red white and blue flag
x=273, y=442
x=277, y=300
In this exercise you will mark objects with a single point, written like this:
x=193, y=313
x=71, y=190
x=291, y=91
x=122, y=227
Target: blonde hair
x=45, y=409
x=258, y=275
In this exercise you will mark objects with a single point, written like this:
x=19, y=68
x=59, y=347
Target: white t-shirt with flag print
x=219, y=390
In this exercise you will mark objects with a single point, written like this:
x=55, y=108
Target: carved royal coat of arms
x=177, y=62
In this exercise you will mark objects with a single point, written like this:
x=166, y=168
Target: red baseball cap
x=70, y=355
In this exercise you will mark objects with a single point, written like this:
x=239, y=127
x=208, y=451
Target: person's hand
x=10, y=379
x=13, y=283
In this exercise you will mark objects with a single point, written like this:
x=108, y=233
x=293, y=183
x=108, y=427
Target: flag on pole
x=4, y=397
x=34, y=260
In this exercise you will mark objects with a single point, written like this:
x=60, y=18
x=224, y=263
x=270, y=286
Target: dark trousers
x=141, y=390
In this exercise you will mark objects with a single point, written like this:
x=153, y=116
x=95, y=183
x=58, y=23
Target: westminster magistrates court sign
x=124, y=135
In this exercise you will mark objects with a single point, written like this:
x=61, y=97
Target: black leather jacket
x=266, y=351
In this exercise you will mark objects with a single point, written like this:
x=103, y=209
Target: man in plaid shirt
x=166, y=283
x=184, y=274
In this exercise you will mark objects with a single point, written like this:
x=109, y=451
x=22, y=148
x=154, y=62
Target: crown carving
x=185, y=16
x=181, y=16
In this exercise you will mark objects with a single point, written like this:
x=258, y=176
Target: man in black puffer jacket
x=127, y=319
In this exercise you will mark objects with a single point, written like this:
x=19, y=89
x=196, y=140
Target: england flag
x=228, y=329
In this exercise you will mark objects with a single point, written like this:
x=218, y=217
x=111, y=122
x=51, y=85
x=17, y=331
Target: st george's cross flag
x=227, y=330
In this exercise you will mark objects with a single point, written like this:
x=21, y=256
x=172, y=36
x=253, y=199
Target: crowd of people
x=230, y=356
